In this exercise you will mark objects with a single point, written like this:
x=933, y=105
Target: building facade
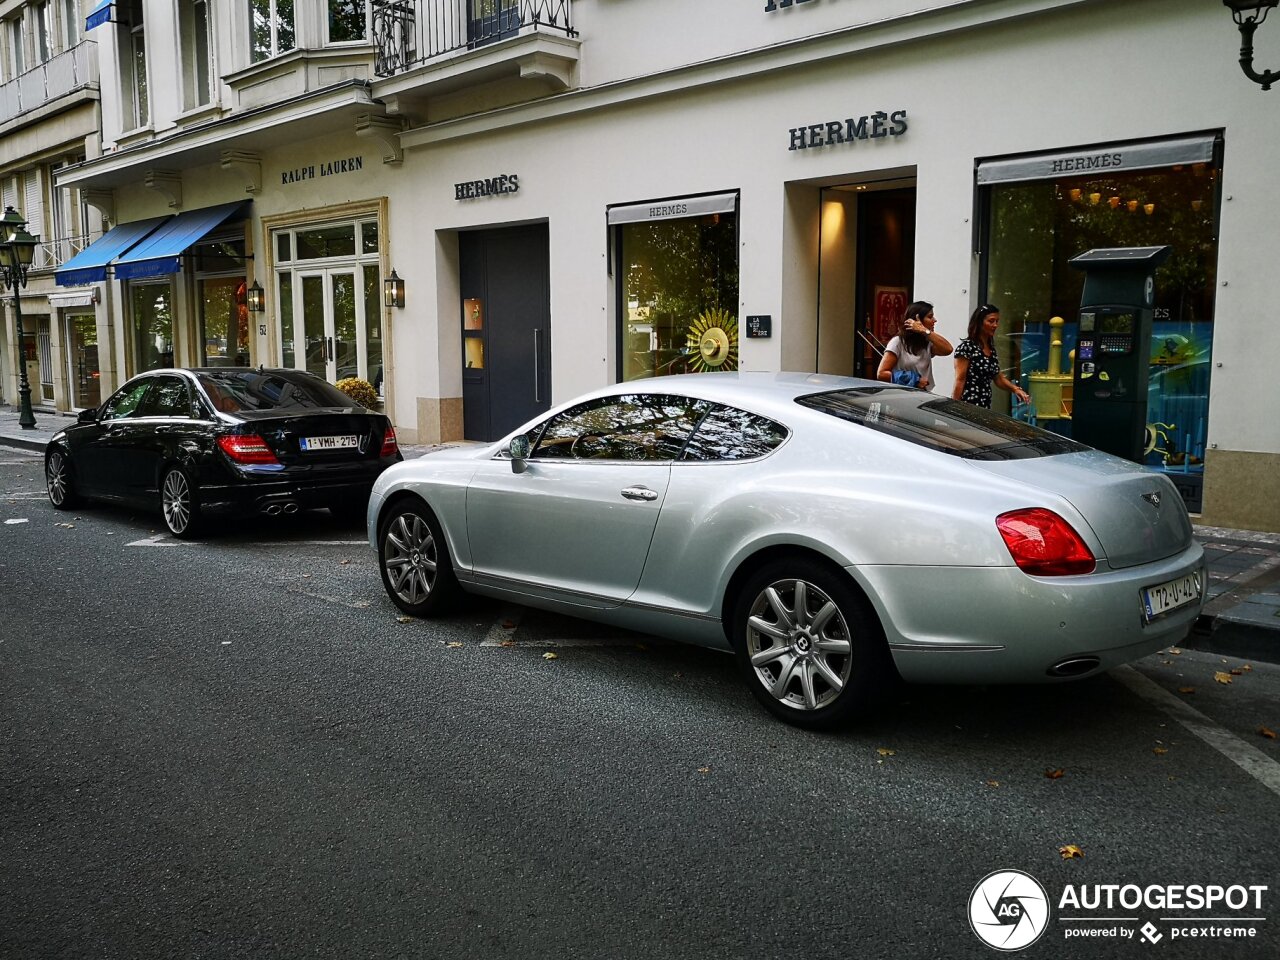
x=48, y=122
x=578, y=193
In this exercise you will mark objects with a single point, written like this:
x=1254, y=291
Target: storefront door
x=81, y=344
x=331, y=311
x=506, y=325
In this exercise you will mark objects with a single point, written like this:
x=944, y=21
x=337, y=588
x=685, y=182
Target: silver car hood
x=1136, y=514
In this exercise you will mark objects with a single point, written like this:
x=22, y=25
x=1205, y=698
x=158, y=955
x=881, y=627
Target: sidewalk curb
x=1230, y=638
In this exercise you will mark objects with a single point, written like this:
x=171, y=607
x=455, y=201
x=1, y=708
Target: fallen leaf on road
x=885, y=752
x=1186, y=689
x=507, y=643
x=345, y=562
x=1175, y=651
x=677, y=675
x=1055, y=773
x=704, y=769
x=1246, y=668
x=69, y=526
x=454, y=644
x=550, y=656
x=1159, y=751
x=1237, y=672
x=1269, y=734
x=1222, y=677
x=404, y=619
x=1070, y=852
x=993, y=783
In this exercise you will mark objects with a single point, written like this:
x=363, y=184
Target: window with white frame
x=271, y=29
x=15, y=47
x=72, y=17
x=328, y=294
x=193, y=29
x=133, y=64
x=43, y=15
x=348, y=21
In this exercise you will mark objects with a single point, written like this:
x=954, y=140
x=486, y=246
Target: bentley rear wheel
x=809, y=645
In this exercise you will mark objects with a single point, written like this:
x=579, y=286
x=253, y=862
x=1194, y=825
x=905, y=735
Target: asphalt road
x=237, y=748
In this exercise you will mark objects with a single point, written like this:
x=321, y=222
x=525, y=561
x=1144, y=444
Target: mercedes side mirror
x=519, y=450
x=87, y=416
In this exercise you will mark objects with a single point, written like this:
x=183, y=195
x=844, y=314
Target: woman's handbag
x=906, y=378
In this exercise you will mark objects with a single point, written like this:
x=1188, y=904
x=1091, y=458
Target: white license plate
x=327, y=443
x=1170, y=595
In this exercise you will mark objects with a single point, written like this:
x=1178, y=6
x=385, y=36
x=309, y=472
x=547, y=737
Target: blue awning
x=161, y=252
x=90, y=264
x=104, y=12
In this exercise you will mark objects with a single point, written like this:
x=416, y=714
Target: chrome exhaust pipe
x=1073, y=667
x=290, y=508
x=271, y=509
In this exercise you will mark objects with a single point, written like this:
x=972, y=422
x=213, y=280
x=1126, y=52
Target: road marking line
x=1249, y=758
x=160, y=540
x=498, y=634
x=23, y=496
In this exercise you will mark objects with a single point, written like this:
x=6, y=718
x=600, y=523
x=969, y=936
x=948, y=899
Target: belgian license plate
x=327, y=443
x=1170, y=595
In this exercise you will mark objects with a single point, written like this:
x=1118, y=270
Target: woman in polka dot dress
x=977, y=366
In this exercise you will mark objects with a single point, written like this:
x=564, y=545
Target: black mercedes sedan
x=206, y=441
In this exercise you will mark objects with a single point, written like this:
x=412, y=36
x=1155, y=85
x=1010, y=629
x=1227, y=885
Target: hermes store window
x=677, y=279
x=1041, y=211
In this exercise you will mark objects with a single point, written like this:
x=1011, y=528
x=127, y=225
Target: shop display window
x=151, y=326
x=1037, y=227
x=679, y=295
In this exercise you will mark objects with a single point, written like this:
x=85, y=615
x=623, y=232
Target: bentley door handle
x=639, y=493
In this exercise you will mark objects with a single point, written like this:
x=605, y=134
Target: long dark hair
x=913, y=341
x=975, y=321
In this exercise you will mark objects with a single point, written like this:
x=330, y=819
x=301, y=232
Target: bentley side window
x=637, y=426
x=727, y=433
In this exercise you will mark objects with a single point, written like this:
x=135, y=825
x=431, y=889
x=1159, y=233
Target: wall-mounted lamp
x=1248, y=14
x=393, y=286
x=256, y=298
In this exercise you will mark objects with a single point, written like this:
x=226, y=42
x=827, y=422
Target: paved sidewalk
x=1240, y=619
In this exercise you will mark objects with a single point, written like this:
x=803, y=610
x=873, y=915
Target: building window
x=1036, y=227
x=71, y=15
x=193, y=29
x=328, y=289
x=14, y=43
x=222, y=302
x=348, y=21
x=271, y=28
x=133, y=65
x=151, y=326
x=44, y=31
x=82, y=358
x=679, y=295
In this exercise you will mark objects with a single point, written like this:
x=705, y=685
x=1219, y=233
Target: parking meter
x=1113, y=348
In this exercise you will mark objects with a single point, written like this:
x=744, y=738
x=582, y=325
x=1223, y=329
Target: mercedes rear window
x=939, y=423
x=238, y=390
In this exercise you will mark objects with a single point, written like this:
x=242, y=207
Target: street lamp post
x=17, y=248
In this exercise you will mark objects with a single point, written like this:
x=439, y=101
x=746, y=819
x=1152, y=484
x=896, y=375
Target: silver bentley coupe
x=834, y=534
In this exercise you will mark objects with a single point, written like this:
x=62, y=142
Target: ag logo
x=1009, y=910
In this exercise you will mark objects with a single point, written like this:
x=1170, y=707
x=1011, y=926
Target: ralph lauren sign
x=492, y=187
x=327, y=168
x=872, y=127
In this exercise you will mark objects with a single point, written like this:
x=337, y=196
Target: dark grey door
x=506, y=326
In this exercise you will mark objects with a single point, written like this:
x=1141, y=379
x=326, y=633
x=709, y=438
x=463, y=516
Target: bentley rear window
x=939, y=423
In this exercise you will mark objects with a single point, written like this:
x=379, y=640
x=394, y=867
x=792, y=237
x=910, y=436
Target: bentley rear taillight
x=389, y=446
x=246, y=449
x=1043, y=544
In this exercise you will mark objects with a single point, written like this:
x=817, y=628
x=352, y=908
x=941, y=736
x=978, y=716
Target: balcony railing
x=51, y=254
x=56, y=77
x=410, y=33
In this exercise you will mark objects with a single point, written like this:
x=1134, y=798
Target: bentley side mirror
x=519, y=450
